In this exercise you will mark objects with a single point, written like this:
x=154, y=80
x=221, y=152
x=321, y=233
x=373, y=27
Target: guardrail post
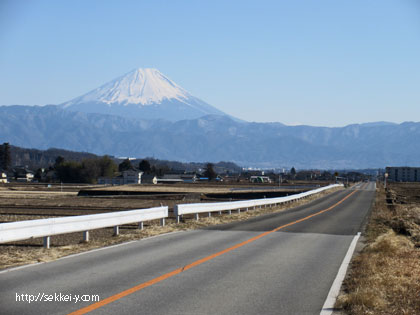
x=47, y=242
x=197, y=216
x=239, y=210
x=230, y=211
x=209, y=214
x=246, y=209
x=116, y=230
x=162, y=222
x=178, y=219
x=141, y=227
x=86, y=236
x=220, y=212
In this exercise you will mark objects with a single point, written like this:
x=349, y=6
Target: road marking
x=146, y=284
x=328, y=306
x=20, y=267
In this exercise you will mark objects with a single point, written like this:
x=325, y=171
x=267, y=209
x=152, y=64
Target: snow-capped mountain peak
x=140, y=86
x=145, y=94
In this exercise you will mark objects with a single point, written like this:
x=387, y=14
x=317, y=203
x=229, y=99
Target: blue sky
x=322, y=63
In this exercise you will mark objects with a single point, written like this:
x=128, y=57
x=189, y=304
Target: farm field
x=25, y=202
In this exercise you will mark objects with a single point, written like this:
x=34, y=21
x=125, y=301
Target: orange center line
x=149, y=283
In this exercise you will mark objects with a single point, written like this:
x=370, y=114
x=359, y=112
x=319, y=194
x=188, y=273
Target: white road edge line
x=88, y=251
x=328, y=307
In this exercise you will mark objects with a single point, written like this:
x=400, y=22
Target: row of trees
x=5, y=157
x=86, y=171
x=145, y=167
x=89, y=169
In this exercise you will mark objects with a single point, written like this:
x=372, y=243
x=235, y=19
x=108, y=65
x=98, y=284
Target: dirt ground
x=207, y=187
x=17, y=205
x=21, y=202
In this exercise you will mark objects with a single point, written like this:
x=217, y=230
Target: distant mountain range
x=144, y=113
x=213, y=138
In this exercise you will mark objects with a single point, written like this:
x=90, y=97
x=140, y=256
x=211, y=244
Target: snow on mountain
x=145, y=94
x=140, y=86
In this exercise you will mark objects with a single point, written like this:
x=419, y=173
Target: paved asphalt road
x=288, y=271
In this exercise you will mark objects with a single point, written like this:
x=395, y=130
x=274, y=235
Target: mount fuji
x=143, y=94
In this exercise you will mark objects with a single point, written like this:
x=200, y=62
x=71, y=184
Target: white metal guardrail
x=197, y=208
x=16, y=231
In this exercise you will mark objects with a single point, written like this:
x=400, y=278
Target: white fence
x=196, y=208
x=16, y=231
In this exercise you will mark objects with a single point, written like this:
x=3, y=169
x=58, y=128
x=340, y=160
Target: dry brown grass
x=31, y=251
x=385, y=277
